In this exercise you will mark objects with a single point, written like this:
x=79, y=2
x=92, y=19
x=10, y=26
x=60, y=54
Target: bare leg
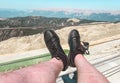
x=87, y=73
x=46, y=72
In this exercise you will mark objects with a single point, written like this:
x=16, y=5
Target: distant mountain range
x=29, y=25
x=110, y=16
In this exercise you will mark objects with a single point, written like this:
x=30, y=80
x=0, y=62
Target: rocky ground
x=93, y=32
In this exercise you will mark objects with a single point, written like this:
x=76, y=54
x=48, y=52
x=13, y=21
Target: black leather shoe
x=75, y=46
x=53, y=44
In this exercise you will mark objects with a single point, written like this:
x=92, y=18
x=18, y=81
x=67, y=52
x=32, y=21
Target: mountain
x=41, y=22
x=24, y=26
x=110, y=16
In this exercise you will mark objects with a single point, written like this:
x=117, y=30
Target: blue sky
x=76, y=4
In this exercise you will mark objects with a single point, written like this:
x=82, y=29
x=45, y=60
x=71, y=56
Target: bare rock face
x=8, y=33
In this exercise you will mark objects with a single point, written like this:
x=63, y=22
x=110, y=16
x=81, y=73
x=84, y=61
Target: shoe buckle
x=85, y=48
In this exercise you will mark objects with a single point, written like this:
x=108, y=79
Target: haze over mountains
x=110, y=16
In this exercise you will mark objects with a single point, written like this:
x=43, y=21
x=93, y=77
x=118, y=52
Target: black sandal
x=53, y=44
x=75, y=46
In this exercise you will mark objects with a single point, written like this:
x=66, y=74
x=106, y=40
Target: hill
x=89, y=32
x=23, y=26
x=41, y=22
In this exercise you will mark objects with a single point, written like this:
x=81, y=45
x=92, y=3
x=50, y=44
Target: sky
x=67, y=4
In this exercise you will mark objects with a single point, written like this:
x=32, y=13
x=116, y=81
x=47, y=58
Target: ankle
x=78, y=59
x=78, y=56
x=57, y=62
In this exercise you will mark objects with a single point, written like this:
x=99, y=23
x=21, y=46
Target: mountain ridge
x=110, y=16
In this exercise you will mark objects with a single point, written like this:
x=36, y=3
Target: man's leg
x=46, y=72
x=87, y=73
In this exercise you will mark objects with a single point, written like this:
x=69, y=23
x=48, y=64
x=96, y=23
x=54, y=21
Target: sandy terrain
x=96, y=32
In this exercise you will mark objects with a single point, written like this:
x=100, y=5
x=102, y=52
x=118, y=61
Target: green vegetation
x=40, y=22
x=24, y=26
x=23, y=63
x=9, y=66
